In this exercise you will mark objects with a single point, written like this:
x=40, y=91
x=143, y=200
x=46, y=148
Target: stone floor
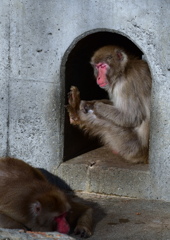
x=130, y=219
x=116, y=218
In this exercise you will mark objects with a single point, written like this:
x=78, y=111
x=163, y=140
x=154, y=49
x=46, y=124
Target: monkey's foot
x=74, y=97
x=73, y=106
x=83, y=231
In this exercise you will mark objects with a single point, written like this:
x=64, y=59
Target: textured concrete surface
x=100, y=171
x=130, y=219
x=8, y=234
x=4, y=75
x=37, y=36
x=115, y=218
x=34, y=97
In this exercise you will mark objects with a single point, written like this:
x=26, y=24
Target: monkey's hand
x=87, y=106
x=84, y=224
x=83, y=231
x=73, y=106
x=94, y=106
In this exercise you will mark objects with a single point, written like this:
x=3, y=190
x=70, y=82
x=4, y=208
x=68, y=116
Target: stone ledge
x=100, y=171
x=8, y=234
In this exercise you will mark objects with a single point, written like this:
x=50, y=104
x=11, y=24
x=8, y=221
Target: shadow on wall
x=78, y=72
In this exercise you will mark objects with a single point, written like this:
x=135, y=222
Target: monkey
x=29, y=201
x=121, y=122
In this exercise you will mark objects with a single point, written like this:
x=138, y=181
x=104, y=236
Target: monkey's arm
x=80, y=217
x=103, y=109
x=131, y=118
x=7, y=222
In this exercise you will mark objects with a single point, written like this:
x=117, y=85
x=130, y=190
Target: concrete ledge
x=99, y=171
x=8, y=234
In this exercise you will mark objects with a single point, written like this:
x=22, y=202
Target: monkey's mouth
x=62, y=224
x=103, y=85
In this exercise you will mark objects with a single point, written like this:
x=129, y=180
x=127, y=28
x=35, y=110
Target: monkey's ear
x=36, y=208
x=120, y=55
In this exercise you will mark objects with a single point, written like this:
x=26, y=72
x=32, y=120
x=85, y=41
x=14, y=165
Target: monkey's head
x=49, y=212
x=108, y=63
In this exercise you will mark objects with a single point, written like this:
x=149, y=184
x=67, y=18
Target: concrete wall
x=4, y=75
x=34, y=37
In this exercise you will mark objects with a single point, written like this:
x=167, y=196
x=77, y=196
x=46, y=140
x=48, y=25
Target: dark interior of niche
x=78, y=72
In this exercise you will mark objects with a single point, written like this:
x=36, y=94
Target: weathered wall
x=34, y=37
x=4, y=75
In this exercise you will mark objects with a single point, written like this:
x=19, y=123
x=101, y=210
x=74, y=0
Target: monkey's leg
x=74, y=105
x=122, y=140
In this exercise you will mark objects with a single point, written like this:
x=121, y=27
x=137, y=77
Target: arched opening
x=78, y=72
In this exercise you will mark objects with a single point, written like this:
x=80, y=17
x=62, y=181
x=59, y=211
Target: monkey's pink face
x=62, y=224
x=101, y=69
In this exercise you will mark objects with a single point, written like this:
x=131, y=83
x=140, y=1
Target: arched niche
x=76, y=70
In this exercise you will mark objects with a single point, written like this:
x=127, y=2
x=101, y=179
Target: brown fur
x=124, y=124
x=23, y=188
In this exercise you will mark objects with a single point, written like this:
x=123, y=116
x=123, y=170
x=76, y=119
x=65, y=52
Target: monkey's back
x=18, y=183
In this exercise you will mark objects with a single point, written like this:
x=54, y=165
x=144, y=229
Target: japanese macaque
x=29, y=201
x=122, y=122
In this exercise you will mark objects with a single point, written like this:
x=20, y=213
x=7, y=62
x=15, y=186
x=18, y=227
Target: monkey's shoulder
x=137, y=67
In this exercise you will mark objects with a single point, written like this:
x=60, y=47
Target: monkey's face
x=100, y=71
x=108, y=63
x=53, y=222
x=49, y=212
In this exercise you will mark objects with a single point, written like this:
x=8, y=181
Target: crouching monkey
x=29, y=201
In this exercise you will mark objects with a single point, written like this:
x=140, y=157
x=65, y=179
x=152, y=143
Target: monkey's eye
x=100, y=65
